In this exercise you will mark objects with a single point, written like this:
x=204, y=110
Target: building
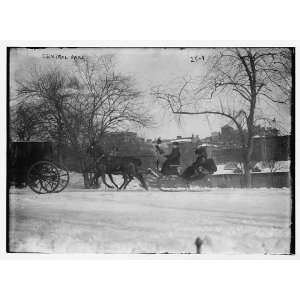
x=270, y=148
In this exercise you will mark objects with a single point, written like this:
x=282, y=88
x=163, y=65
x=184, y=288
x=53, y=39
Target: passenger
x=172, y=159
x=95, y=151
x=197, y=169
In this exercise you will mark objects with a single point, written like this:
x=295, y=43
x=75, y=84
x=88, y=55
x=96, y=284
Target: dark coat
x=199, y=162
x=174, y=157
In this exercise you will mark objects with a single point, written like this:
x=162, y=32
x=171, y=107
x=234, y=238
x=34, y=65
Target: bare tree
x=236, y=84
x=79, y=106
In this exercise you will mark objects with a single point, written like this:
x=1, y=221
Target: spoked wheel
x=64, y=178
x=43, y=177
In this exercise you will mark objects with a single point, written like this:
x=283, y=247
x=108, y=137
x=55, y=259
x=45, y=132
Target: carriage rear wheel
x=43, y=177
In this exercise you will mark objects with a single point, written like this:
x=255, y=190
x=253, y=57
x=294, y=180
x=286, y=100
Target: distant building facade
x=271, y=148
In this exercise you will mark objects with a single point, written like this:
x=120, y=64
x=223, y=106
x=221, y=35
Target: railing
x=258, y=180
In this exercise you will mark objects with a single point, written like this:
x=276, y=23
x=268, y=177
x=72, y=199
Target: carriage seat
x=172, y=170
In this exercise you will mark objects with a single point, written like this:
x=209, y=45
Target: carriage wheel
x=43, y=177
x=64, y=178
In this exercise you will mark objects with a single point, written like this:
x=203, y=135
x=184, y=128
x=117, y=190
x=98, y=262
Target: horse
x=126, y=166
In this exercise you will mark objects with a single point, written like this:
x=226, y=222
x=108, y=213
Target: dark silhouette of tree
x=78, y=107
x=25, y=122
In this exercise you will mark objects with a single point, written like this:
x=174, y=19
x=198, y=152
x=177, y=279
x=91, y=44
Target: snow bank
x=278, y=166
x=230, y=221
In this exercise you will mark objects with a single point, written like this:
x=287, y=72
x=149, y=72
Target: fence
x=276, y=179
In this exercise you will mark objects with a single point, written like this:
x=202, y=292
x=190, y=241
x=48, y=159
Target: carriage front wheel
x=64, y=178
x=43, y=177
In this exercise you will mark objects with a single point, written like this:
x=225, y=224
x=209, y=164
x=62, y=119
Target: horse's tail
x=134, y=172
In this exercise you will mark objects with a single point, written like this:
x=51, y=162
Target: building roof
x=182, y=140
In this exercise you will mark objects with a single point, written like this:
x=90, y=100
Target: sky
x=149, y=67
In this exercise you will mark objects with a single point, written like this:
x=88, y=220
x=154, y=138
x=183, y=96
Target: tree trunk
x=59, y=154
x=90, y=181
x=247, y=176
x=247, y=163
x=88, y=173
x=87, y=180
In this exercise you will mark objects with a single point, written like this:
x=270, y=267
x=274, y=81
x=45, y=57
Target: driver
x=95, y=151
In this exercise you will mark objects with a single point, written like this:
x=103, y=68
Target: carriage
x=174, y=175
x=34, y=164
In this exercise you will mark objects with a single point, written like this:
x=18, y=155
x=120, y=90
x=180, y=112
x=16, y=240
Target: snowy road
x=87, y=221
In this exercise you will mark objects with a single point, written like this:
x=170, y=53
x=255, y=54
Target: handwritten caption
x=196, y=59
x=62, y=57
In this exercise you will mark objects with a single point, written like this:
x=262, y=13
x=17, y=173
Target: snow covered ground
x=230, y=221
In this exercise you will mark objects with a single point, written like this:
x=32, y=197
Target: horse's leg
x=124, y=184
x=95, y=180
x=112, y=180
x=129, y=179
x=187, y=184
x=134, y=172
x=128, y=175
x=140, y=177
x=104, y=181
